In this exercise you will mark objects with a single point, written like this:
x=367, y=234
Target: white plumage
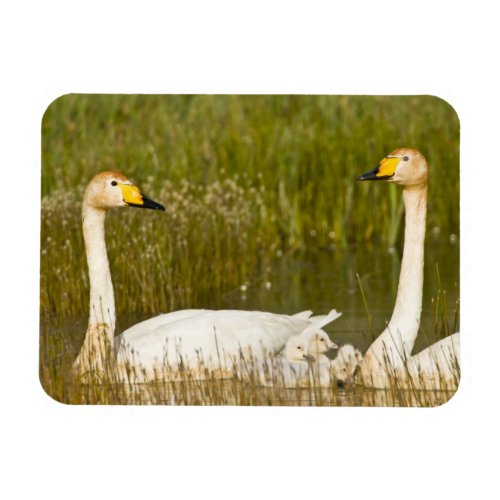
x=211, y=339
x=291, y=368
x=389, y=360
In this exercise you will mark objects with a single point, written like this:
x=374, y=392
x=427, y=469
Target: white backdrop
x=55, y=451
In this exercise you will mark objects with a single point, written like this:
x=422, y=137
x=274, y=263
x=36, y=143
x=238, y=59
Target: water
x=235, y=393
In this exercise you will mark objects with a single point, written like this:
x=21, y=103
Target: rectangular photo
x=298, y=250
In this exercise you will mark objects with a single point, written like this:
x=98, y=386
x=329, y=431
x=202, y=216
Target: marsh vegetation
x=262, y=212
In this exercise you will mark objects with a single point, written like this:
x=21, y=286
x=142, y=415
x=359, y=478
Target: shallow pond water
x=235, y=393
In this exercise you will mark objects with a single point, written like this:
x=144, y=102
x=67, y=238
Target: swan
x=389, y=359
x=344, y=366
x=185, y=339
x=290, y=368
x=318, y=342
x=325, y=371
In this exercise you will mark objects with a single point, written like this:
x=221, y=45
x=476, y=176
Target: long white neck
x=395, y=343
x=100, y=332
x=102, y=299
x=405, y=319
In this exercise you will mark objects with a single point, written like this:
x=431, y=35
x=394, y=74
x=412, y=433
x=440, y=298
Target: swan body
x=210, y=340
x=157, y=322
x=191, y=339
x=389, y=357
x=435, y=368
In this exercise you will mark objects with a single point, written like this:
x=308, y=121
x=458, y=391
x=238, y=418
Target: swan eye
x=298, y=347
x=322, y=340
x=405, y=158
x=114, y=183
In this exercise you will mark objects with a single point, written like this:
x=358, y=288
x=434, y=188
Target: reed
x=175, y=385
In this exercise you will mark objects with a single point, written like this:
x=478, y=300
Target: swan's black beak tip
x=369, y=176
x=152, y=205
x=159, y=207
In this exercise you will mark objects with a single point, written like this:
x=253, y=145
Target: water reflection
x=234, y=392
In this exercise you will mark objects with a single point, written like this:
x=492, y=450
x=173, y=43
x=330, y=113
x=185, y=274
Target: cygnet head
x=318, y=342
x=404, y=166
x=347, y=361
x=296, y=349
x=112, y=189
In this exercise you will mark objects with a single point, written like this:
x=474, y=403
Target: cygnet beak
x=332, y=346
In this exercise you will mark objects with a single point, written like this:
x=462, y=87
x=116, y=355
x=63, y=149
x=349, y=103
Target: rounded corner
x=447, y=103
x=51, y=103
x=51, y=396
x=452, y=395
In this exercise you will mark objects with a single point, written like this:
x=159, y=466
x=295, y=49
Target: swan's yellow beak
x=133, y=197
x=384, y=170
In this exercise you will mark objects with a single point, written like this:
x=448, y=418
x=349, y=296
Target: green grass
x=242, y=178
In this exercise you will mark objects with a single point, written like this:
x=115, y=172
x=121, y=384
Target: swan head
x=318, y=342
x=296, y=349
x=404, y=166
x=112, y=189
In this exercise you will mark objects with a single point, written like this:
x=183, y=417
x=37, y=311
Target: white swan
x=318, y=342
x=389, y=358
x=345, y=363
x=325, y=372
x=181, y=339
x=291, y=368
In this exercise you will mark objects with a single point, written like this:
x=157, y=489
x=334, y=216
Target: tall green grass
x=305, y=149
